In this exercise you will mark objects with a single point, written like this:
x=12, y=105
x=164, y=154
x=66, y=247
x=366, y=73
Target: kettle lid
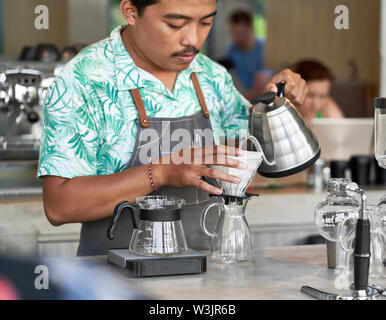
x=270, y=104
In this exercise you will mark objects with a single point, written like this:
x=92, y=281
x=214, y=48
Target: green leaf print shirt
x=89, y=116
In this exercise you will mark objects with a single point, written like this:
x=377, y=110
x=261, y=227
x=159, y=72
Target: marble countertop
x=275, y=273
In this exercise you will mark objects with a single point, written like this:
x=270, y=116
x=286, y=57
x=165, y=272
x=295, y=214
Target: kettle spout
x=258, y=147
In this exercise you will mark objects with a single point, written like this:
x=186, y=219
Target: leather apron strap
x=144, y=120
x=200, y=95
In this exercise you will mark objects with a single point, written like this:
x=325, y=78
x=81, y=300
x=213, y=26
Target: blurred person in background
x=246, y=56
x=318, y=102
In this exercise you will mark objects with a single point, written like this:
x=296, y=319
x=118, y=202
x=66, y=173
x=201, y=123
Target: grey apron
x=93, y=239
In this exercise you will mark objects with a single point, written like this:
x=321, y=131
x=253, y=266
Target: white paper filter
x=253, y=160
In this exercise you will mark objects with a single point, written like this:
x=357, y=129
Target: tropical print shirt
x=89, y=117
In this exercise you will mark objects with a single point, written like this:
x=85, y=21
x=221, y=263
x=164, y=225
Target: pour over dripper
x=253, y=160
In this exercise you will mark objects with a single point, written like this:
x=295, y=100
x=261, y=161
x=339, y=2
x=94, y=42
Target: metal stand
x=229, y=199
x=372, y=293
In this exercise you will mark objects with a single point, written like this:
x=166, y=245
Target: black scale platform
x=138, y=266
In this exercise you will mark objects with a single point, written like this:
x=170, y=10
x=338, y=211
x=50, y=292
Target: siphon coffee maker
x=362, y=290
x=380, y=150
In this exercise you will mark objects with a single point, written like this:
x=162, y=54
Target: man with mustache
x=121, y=96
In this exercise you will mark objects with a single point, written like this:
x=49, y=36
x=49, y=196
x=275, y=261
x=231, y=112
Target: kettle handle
x=258, y=147
x=281, y=88
x=203, y=218
x=117, y=213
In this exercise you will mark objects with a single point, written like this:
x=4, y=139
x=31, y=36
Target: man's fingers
x=219, y=159
x=271, y=87
x=302, y=92
x=230, y=151
x=218, y=174
x=208, y=155
x=222, y=160
x=216, y=149
x=295, y=88
x=201, y=184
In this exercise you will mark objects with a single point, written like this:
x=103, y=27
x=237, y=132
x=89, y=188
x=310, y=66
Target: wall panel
x=300, y=29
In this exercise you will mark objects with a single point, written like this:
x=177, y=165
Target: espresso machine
x=20, y=112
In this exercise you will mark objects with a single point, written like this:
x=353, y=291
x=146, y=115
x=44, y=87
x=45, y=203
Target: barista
x=120, y=119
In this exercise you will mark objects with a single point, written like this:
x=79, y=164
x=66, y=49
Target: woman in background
x=318, y=102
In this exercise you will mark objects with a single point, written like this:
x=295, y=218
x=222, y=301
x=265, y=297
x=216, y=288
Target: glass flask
x=377, y=240
x=338, y=206
x=377, y=217
x=380, y=131
x=333, y=215
x=231, y=240
x=159, y=231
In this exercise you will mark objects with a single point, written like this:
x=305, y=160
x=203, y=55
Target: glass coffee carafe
x=159, y=230
x=231, y=240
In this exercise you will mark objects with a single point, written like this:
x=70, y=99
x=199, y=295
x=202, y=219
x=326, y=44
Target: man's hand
x=295, y=88
x=188, y=166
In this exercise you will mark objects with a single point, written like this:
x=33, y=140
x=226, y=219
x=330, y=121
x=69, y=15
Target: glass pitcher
x=159, y=230
x=231, y=239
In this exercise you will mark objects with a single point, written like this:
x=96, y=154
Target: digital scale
x=138, y=266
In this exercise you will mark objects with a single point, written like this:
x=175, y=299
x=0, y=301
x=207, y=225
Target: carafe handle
x=203, y=218
x=117, y=213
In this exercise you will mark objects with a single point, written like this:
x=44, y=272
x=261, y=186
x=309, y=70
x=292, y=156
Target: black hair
x=142, y=4
x=313, y=70
x=241, y=16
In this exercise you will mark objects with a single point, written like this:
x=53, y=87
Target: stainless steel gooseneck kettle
x=287, y=144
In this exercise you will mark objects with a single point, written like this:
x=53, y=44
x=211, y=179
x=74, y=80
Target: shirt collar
x=129, y=76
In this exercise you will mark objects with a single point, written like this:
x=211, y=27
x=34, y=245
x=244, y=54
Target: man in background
x=318, y=102
x=246, y=56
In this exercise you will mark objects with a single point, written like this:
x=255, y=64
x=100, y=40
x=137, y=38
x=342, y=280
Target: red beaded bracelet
x=150, y=166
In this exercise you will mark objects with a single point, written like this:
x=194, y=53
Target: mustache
x=188, y=50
